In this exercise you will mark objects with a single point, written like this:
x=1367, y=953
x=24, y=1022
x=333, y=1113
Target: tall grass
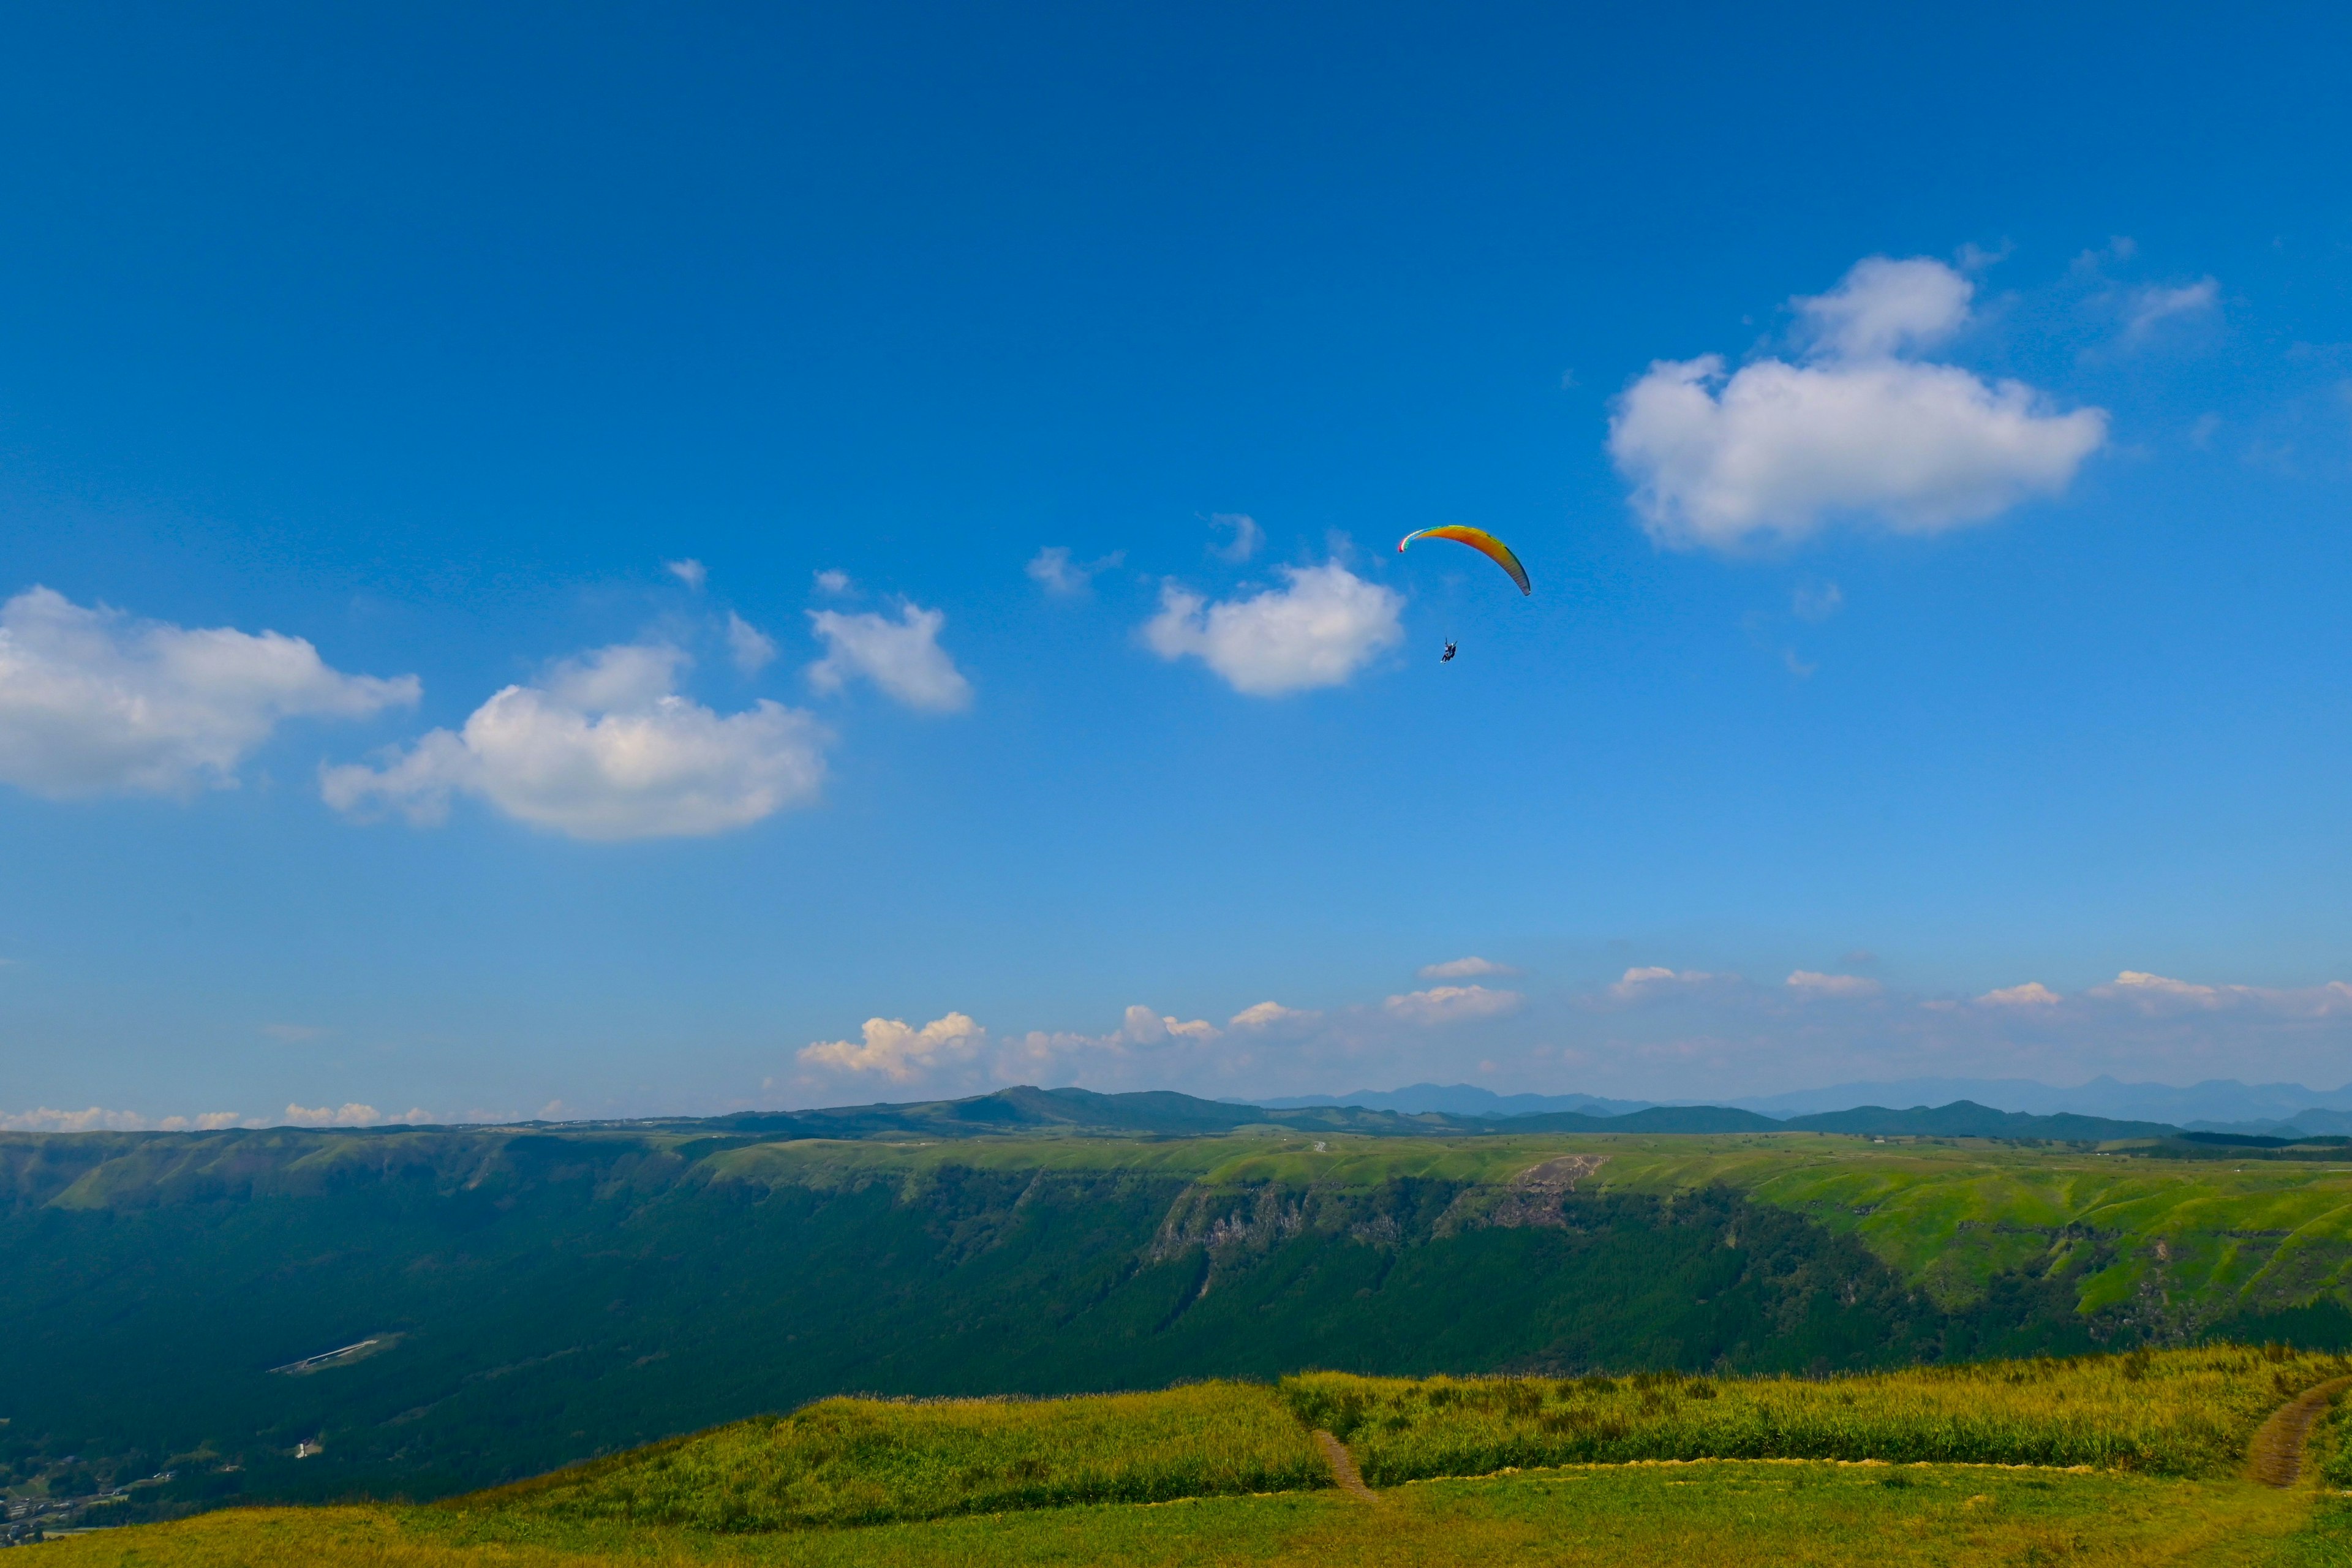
x=865, y=1461
x=2178, y=1413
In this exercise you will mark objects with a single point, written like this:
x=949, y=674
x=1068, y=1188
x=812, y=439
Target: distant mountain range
x=1460, y=1100
x=2217, y=1105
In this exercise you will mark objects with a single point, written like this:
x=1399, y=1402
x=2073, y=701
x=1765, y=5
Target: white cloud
x=902, y=656
x=1722, y=460
x=1812, y=984
x=833, y=580
x=2140, y=987
x=1451, y=1003
x=1246, y=536
x=898, y=1052
x=1053, y=570
x=956, y=1050
x=690, y=572
x=2033, y=994
x=1321, y=631
x=1260, y=1014
x=1463, y=969
x=96, y=1120
x=2155, y=303
x=1641, y=984
x=351, y=1114
x=751, y=649
x=1142, y=1027
x=604, y=750
x=94, y=701
x=1885, y=306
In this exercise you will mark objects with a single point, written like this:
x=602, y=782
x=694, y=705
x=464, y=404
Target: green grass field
x=1605, y=1516
x=2125, y=1459
x=864, y=1461
x=2184, y=1412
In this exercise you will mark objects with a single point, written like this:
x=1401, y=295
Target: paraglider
x=1479, y=540
x=1447, y=657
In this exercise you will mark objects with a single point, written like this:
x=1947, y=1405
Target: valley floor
x=1705, y=1512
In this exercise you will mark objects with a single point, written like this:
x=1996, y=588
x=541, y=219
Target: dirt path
x=2275, y=1458
x=1343, y=1466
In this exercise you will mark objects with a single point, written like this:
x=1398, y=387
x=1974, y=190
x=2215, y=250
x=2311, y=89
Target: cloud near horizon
x=94, y=702
x=1451, y=1004
x=1462, y=969
x=603, y=749
x=1813, y=983
x=1642, y=1036
x=99, y=1119
x=1858, y=429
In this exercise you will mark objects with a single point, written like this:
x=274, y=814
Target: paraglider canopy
x=1479, y=540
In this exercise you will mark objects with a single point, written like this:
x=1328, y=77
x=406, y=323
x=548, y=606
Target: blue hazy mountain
x=2215, y=1101
x=2223, y=1105
x=1462, y=1100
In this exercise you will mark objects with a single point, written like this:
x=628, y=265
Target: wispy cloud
x=1812, y=984
x=751, y=649
x=1463, y=969
x=2147, y=307
x=690, y=572
x=1244, y=535
x=902, y=656
x=1053, y=570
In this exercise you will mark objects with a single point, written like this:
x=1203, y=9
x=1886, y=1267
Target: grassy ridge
x=863, y=1462
x=2184, y=1412
x=1638, y=1516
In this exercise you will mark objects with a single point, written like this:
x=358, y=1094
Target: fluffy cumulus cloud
x=1451, y=1005
x=901, y=656
x=896, y=1050
x=1463, y=969
x=1813, y=984
x=1859, y=427
x=605, y=749
x=94, y=701
x=1319, y=629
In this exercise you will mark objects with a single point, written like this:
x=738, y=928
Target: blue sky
x=1972, y=621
